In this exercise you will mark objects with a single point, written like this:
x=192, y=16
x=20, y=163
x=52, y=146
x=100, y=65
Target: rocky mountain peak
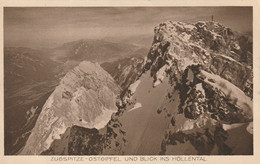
x=208, y=44
x=205, y=70
x=85, y=97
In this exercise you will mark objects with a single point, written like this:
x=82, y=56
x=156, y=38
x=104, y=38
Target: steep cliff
x=125, y=71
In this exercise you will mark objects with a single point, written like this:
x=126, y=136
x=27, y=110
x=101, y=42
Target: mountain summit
x=85, y=97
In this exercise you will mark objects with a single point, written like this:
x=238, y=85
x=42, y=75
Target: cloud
x=34, y=26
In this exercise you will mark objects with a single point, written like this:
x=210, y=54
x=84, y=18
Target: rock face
x=231, y=70
x=125, y=71
x=85, y=97
x=190, y=95
x=210, y=81
x=200, y=43
x=195, y=68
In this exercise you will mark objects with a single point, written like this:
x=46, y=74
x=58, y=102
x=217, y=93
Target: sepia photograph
x=127, y=81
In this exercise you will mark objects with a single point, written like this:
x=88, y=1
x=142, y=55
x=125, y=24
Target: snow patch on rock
x=185, y=37
x=200, y=88
x=133, y=86
x=59, y=129
x=227, y=127
x=190, y=27
x=160, y=75
x=249, y=128
x=233, y=93
x=136, y=106
x=103, y=119
x=236, y=46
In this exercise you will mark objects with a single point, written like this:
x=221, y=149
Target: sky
x=47, y=27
